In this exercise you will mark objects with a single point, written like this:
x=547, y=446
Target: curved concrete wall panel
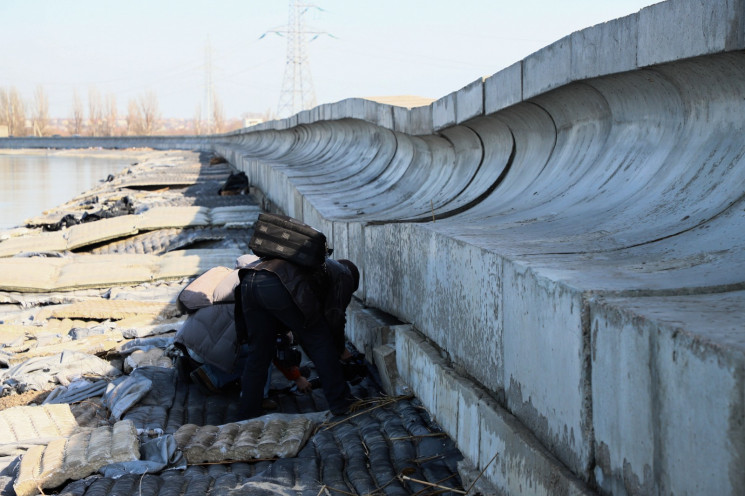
x=624, y=184
x=379, y=175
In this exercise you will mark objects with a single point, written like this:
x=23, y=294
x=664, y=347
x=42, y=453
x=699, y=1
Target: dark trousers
x=267, y=308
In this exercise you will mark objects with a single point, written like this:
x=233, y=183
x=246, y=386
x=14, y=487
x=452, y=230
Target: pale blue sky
x=383, y=47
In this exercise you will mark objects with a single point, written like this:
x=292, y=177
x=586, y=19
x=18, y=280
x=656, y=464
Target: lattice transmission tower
x=297, y=84
x=209, y=90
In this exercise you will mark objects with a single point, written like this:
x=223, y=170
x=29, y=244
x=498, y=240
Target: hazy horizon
x=422, y=48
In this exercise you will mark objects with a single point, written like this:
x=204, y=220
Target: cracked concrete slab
x=100, y=271
x=103, y=309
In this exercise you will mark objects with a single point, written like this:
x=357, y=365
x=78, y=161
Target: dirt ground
x=23, y=399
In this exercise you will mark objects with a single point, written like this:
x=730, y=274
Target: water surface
x=30, y=184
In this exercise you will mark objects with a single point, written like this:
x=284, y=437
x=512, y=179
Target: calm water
x=30, y=184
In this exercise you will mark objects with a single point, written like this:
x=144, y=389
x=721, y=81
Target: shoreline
x=72, y=172
x=79, y=152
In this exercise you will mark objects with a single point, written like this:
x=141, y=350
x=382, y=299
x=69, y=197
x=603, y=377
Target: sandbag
x=199, y=293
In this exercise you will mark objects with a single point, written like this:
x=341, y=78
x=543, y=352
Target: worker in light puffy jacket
x=212, y=356
x=311, y=303
x=214, y=360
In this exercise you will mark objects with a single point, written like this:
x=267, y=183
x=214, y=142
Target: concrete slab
x=546, y=364
x=368, y=328
x=366, y=110
x=606, y=48
x=515, y=462
x=305, y=117
x=504, y=88
x=339, y=240
x=493, y=440
x=421, y=120
x=660, y=357
x=426, y=360
x=469, y=101
x=406, y=344
x=681, y=29
x=548, y=68
x=452, y=291
x=468, y=433
x=443, y=112
x=384, y=358
x=402, y=120
x=355, y=252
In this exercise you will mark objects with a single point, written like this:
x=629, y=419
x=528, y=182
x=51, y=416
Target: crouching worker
x=275, y=293
x=212, y=357
x=211, y=360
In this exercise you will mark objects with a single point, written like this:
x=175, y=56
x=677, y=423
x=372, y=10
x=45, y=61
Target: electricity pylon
x=209, y=90
x=297, y=85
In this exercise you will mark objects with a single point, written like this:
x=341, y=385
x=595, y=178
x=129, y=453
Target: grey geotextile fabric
x=125, y=392
x=150, y=413
x=77, y=391
x=44, y=373
x=156, y=455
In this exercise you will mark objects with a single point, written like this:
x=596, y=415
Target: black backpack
x=279, y=236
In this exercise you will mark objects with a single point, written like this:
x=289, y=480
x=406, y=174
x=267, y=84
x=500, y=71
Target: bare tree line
x=101, y=119
x=142, y=118
x=12, y=110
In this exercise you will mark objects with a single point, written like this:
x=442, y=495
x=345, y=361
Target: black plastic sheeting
x=103, y=210
x=363, y=453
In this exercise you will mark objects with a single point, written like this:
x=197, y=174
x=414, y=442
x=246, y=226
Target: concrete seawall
x=566, y=240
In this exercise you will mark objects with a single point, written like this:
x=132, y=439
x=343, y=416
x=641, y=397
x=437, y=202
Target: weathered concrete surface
x=621, y=184
x=515, y=461
x=677, y=362
x=546, y=229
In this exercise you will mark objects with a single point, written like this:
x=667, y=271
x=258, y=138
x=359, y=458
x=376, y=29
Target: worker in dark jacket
x=311, y=303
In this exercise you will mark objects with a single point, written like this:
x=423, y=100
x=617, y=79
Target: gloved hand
x=303, y=385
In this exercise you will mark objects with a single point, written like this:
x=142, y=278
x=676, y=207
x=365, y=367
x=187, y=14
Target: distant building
x=251, y=122
x=406, y=101
x=3, y=131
